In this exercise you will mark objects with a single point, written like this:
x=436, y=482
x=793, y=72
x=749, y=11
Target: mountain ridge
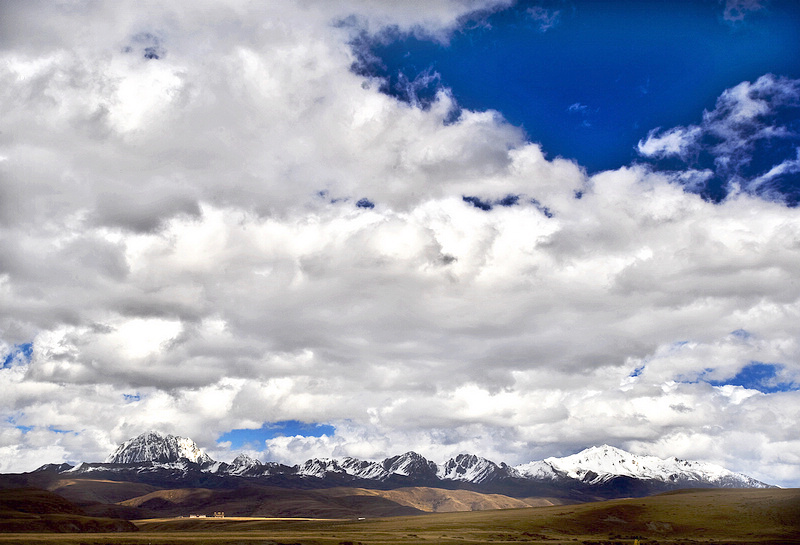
x=604, y=469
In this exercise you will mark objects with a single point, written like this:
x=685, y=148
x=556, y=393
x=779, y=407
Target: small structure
x=219, y=514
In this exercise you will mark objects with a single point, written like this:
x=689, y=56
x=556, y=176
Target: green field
x=708, y=516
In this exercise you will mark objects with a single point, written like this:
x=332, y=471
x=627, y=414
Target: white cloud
x=679, y=141
x=786, y=167
x=745, y=116
x=180, y=242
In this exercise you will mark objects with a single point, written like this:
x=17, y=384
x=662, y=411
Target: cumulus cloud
x=182, y=243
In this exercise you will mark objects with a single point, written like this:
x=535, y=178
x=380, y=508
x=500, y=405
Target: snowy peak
x=321, y=467
x=410, y=464
x=244, y=465
x=471, y=468
x=596, y=465
x=154, y=447
x=464, y=467
x=243, y=460
x=539, y=470
x=603, y=461
x=363, y=469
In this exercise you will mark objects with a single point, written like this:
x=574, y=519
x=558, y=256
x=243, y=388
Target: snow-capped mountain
x=603, y=471
x=245, y=465
x=473, y=469
x=540, y=470
x=322, y=467
x=364, y=470
x=410, y=464
x=464, y=467
x=596, y=465
x=154, y=447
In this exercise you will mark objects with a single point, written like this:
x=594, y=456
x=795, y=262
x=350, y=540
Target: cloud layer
x=181, y=242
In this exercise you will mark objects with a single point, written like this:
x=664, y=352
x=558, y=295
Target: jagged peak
x=153, y=446
x=408, y=464
x=472, y=468
x=245, y=459
x=410, y=455
x=593, y=465
x=467, y=460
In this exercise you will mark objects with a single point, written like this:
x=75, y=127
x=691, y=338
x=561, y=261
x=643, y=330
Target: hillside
x=35, y=510
x=257, y=501
x=326, y=503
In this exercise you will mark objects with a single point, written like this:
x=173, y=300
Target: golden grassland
x=740, y=516
x=437, y=500
x=321, y=503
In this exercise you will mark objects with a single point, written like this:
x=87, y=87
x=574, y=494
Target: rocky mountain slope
x=597, y=465
x=154, y=447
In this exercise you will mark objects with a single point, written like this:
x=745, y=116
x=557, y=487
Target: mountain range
x=597, y=472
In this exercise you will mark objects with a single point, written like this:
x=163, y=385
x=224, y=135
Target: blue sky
x=18, y=354
x=588, y=80
x=253, y=438
x=516, y=229
x=763, y=377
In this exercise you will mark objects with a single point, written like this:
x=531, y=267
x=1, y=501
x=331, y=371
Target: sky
x=311, y=229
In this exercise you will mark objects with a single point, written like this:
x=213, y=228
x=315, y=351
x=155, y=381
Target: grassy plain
x=770, y=516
